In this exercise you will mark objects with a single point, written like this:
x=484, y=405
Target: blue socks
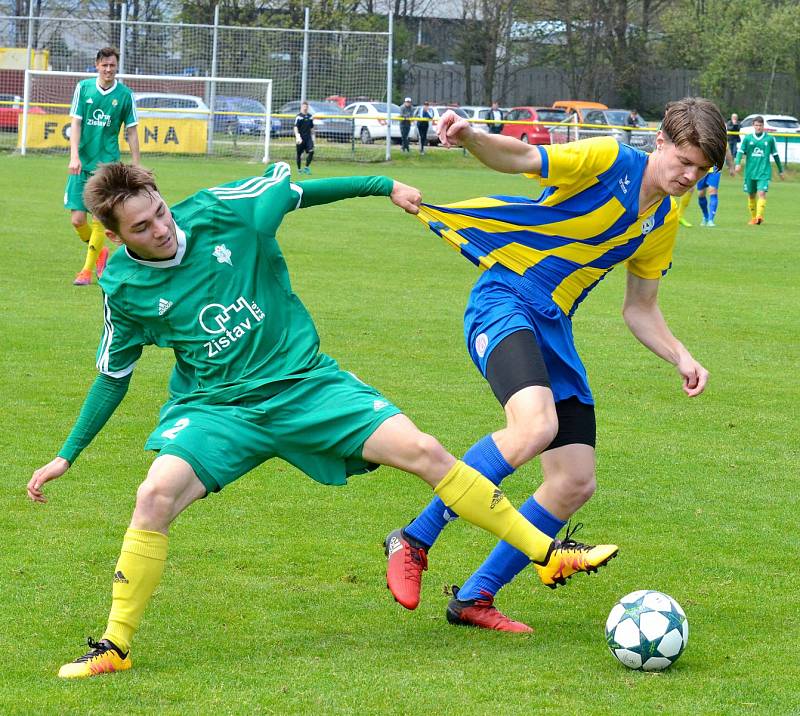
x=703, y=206
x=713, y=201
x=506, y=562
x=484, y=457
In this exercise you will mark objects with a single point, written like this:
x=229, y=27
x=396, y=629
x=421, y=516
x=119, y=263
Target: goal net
x=211, y=117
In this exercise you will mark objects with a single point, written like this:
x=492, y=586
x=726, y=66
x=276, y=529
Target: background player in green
x=100, y=106
x=757, y=147
x=208, y=280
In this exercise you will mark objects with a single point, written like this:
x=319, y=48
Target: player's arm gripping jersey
x=585, y=222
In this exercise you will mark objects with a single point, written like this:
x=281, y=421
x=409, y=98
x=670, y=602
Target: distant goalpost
x=205, y=116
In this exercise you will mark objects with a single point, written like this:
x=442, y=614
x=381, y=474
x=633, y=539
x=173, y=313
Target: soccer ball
x=647, y=630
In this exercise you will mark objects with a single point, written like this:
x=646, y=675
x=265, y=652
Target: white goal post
x=211, y=116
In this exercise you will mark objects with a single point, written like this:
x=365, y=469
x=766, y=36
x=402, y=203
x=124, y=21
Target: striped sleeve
x=121, y=343
x=261, y=202
x=75, y=107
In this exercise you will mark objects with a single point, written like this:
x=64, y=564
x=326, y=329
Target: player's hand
x=694, y=376
x=55, y=468
x=737, y=168
x=74, y=166
x=406, y=197
x=781, y=176
x=453, y=130
x=298, y=140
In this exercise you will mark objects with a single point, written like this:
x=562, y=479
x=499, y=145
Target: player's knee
x=155, y=503
x=528, y=439
x=583, y=486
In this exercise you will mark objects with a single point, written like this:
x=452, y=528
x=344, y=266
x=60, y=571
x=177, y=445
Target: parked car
x=611, y=122
x=578, y=107
x=528, y=132
x=369, y=121
x=477, y=112
x=11, y=111
x=166, y=105
x=334, y=126
x=241, y=115
x=782, y=123
x=437, y=110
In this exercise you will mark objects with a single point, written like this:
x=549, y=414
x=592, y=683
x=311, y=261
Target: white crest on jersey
x=648, y=224
x=223, y=254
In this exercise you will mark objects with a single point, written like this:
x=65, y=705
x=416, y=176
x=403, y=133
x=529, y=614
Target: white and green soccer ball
x=647, y=630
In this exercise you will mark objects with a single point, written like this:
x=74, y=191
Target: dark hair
x=697, y=121
x=758, y=118
x=112, y=185
x=104, y=52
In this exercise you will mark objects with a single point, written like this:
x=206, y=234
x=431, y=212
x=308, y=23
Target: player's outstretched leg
x=570, y=557
x=481, y=613
x=407, y=559
x=103, y=657
x=407, y=549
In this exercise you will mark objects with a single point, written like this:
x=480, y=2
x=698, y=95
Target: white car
x=369, y=120
x=788, y=148
x=781, y=123
x=166, y=105
x=437, y=110
x=477, y=112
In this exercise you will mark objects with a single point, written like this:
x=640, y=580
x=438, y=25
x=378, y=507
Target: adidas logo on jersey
x=624, y=183
x=163, y=306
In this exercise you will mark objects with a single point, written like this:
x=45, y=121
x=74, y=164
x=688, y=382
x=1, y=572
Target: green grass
x=273, y=600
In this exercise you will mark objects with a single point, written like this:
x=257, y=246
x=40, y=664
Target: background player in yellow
x=249, y=382
x=757, y=148
x=603, y=204
x=100, y=106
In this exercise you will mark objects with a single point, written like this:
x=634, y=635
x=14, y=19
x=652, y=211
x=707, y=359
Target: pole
x=304, y=68
x=122, y=33
x=268, y=126
x=389, y=61
x=212, y=90
x=26, y=91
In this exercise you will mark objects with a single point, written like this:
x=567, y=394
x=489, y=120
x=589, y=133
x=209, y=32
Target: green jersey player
x=100, y=106
x=208, y=280
x=758, y=147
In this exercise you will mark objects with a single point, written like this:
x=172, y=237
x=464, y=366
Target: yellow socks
x=477, y=500
x=84, y=231
x=751, y=204
x=96, y=241
x=760, y=205
x=138, y=572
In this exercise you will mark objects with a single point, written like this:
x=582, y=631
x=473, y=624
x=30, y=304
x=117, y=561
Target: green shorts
x=73, y=194
x=751, y=186
x=319, y=424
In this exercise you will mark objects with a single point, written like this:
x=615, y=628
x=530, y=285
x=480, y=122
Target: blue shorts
x=709, y=180
x=503, y=302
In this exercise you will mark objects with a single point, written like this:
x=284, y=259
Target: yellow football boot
x=102, y=658
x=569, y=557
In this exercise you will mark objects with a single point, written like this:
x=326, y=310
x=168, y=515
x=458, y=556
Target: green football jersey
x=102, y=113
x=224, y=303
x=758, y=150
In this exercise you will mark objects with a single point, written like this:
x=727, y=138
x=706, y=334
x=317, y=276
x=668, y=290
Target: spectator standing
x=406, y=111
x=732, y=125
x=633, y=121
x=496, y=115
x=425, y=116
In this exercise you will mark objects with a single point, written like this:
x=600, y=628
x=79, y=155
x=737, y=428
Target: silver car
x=613, y=122
x=437, y=110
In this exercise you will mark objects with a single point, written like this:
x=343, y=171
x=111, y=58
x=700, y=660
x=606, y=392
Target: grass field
x=274, y=601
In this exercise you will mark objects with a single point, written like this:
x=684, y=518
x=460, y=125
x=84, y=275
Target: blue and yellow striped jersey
x=585, y=222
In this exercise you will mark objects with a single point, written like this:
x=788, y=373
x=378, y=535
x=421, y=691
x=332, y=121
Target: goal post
x=210, y=116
